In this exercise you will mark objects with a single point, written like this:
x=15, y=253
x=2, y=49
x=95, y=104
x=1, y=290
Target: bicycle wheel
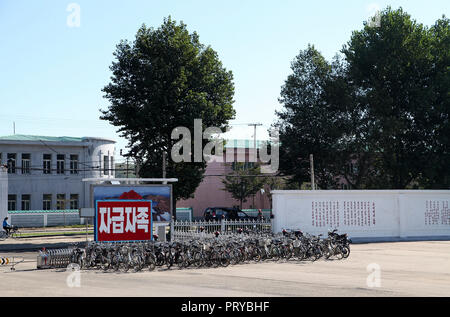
x=257, y=256
x=318, y=252
x=105, y=264
x=151, y=262
x=138, y=263
x=160, y=259
x=311, y=254
x=115, y=263
x=82, y=261
x=346, y=251
x=224, y=259
x=198, y=259
x=234, y=257
x=328, y=252
x=181, y=261
x=215, y=259
x=275, y=253
x=3, y=235
x=170, y=260
x=287, y=252
x=124, y=266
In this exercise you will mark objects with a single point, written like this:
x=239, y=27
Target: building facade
x=3, y=192
x=45, y=173
x=211, y=193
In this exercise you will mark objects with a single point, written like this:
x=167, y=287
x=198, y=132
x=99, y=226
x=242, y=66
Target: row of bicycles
x=221, y=251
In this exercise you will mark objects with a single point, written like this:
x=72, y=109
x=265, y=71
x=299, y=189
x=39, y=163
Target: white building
x=3, y=193
x=45, y=173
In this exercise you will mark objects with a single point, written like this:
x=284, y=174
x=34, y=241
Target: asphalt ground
x=375, y=269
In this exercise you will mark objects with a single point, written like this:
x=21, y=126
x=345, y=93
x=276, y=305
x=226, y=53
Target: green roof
x=42, y=211
x=23, y=137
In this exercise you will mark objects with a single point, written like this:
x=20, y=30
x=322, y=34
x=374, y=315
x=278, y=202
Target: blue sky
x=52, y=74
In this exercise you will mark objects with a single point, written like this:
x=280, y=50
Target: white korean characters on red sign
x=123, y=220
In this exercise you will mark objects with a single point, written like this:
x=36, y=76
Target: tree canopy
x=378, y=114
x=165, y=79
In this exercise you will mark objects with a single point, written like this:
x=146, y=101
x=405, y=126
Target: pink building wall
x=210, y=192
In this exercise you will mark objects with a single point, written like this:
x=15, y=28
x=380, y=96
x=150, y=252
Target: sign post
x=87, y=213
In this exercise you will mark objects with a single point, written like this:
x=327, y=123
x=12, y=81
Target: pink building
x=211, y=193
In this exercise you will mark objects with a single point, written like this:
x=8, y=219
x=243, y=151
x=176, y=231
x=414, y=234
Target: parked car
x=218, y=213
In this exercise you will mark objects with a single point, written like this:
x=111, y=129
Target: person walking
x=260, y=215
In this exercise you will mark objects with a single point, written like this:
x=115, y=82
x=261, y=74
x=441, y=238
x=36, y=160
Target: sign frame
x=170, y=186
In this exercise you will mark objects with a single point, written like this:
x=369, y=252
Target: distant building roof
x=23, y=137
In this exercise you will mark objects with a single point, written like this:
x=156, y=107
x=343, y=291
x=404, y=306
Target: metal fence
x=45, y=218
x=54, y=258
x=184, y=214
x=254, y=212
x=185, y=230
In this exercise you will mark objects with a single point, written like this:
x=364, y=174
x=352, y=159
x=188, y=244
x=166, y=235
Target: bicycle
x=13, y=233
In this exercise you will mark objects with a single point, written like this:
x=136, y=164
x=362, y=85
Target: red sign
x=123, y=220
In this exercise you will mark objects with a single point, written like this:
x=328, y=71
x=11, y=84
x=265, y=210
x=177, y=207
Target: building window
x=60, y=160
x=73, y=164
x=73, y=201
x=60, y=201
x=12, y=202
x=47, y=202
x=26, y=202
x=47, y=167
x=26, y=163
x=11, y=163
x=105, y=165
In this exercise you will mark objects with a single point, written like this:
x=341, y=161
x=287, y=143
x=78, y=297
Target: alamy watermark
x=374, y=18
x=374, y=277
x=74, y=18
x=74, y=277
x=213, y=151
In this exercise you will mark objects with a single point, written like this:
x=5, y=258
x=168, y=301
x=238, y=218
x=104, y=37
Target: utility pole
x=137, y=167
x=164, y=165
x=127, y=166
x=254, y=159
x=311, y=162
x=127, y=156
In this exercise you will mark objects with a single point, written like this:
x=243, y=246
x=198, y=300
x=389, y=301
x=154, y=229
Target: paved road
x=406, y=269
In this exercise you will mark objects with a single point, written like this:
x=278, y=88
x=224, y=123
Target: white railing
x=186, y=230
x=45, y=218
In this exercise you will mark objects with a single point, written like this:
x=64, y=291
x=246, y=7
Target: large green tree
x=308, y=124
x=437, y=171
x=397, y=68
x=165, y=79
x=382, y=106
